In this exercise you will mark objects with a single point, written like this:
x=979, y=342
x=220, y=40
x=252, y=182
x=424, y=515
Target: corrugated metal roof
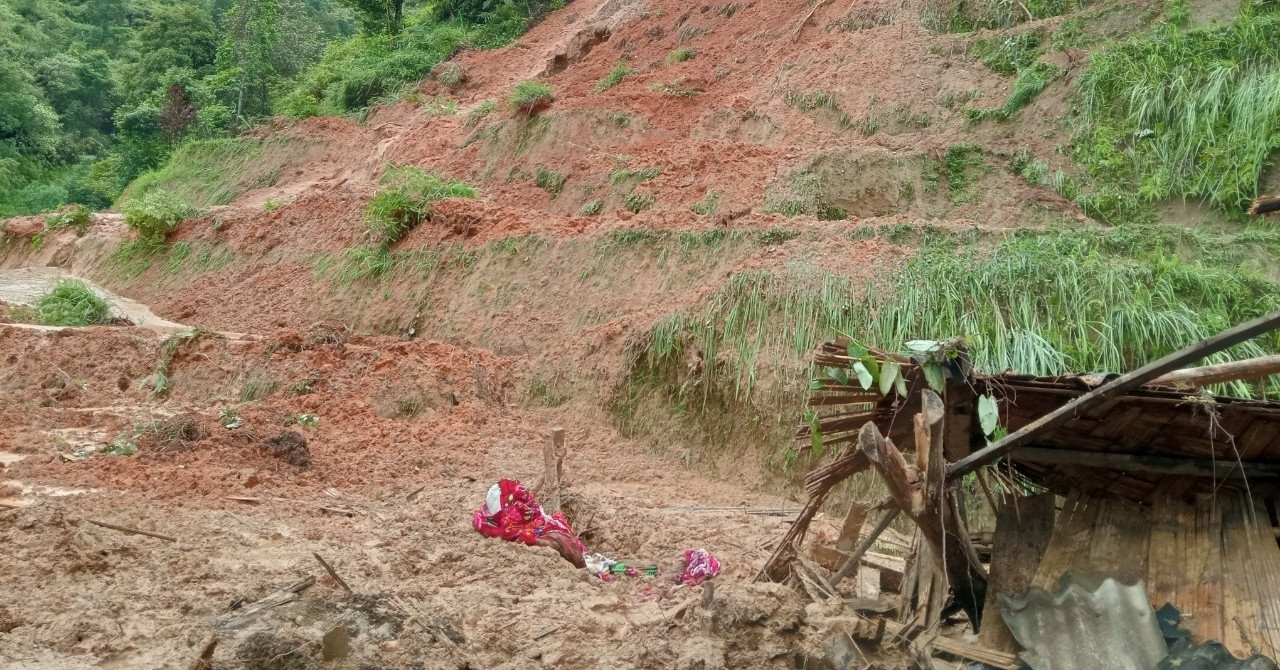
x=1107, y=627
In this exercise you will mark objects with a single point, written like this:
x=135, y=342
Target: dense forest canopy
x=95, y=92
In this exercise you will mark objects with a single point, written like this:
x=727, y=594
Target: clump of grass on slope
x=615, y=76
x=680, y=56
x=72, y=303
x=1009, y=55
x=531, y=96
x=1031, y=81
x=405, y=200
x=154, y=214
x=549, y=180
x=1193, y=113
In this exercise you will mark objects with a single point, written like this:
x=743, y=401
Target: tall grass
x=1078, y=300
x=1194, y=113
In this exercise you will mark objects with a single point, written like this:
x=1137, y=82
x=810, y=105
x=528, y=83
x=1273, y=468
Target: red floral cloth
x=511, y=513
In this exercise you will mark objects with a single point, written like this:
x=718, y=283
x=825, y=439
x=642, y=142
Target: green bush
x=70, y=216
x=72, y=303
x=531, y=96
x=154, y=214
x=592, y=208
x=549, y=180
x=405, y=199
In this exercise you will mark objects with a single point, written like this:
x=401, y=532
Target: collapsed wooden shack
x=1141, y=479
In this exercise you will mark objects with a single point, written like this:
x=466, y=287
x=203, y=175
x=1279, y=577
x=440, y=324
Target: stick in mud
x=132, y=531
x=205, y=662
x=333, y=574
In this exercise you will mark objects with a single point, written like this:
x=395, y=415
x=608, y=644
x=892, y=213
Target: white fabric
x=493, y=500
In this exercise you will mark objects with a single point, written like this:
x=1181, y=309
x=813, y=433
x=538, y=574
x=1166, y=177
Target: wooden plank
x=1266, y=566
x=1240, y=612
x=1201, y=538
x=1116, y=387
x=1023, y=530
x=1146, y=463
x=1164, y=561
x=852, y=528
x=1070, y=542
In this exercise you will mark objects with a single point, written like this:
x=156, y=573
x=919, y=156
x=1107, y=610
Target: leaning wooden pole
x=1118, y=386
x=929, y=505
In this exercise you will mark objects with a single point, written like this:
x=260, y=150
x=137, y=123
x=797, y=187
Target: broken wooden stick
x=1253, y=368
x=288, y=594
x=553, y=455
x=329, y=569
x=132, y=531
x=856, y=557
x=205, y=661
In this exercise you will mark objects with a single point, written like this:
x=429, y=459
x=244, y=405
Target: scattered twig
x=329, y=569
x=415, y=493
x=546, y=631
x=339, y=510
x=286, y=595
x=132, y=531
x=9, y=503
x=205, y=662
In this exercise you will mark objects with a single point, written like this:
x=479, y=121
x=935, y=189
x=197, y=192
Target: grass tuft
x=405, y=200
x=549, y=180
x=72, y=303
x=680, y=56
x=615, y=76
x=531, y=96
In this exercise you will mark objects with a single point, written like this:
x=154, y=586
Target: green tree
x=245, y=56
x=379, y=16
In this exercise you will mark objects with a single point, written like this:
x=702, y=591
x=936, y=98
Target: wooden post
x=941, y=527
x=554, y=468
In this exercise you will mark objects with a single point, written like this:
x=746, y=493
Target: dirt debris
x=290, y=446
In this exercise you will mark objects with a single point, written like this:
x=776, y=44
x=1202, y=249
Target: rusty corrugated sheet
x=1107, y=627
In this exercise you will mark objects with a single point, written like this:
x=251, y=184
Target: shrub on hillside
x=154, y=214
x=72, y=303
x=70, y=216
x=531, y=97
x=405, y=199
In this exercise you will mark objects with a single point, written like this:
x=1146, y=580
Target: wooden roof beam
x=1144, y=463
x=1253, y=368
x=1031, y=432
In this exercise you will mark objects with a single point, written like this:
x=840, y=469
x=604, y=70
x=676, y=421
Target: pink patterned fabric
x=699, y=567
x=519, y=518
